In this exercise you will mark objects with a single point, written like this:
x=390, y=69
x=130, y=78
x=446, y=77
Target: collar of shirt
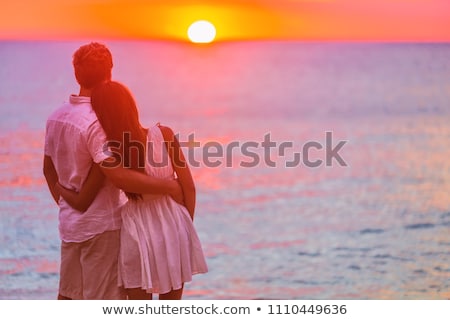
x=74, y=99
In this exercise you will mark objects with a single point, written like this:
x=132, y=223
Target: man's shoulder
x=80, y=115
x=58, y=112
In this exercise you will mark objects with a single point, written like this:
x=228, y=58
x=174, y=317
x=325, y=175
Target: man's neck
x=85, y=92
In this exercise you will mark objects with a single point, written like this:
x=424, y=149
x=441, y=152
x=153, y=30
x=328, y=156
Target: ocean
x=375, y=225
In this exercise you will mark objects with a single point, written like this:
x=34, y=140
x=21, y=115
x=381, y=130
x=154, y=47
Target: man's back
x=74, y=139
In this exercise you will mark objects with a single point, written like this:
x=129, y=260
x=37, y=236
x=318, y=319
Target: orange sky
x=391, y=20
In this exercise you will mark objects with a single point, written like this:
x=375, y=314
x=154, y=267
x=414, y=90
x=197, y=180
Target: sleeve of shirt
x=96, y=143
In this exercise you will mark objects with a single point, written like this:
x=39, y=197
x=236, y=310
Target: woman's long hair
x=117, y=113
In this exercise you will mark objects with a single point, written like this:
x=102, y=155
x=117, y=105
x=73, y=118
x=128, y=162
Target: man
x=74, y=140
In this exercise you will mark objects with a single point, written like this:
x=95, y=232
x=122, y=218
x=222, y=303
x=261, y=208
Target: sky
x=340, y=20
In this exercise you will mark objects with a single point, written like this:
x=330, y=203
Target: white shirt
x=74, y=138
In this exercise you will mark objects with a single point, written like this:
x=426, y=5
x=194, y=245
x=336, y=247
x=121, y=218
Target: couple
x=113, y=247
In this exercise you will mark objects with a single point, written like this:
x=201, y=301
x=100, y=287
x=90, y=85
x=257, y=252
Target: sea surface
x=374, y=226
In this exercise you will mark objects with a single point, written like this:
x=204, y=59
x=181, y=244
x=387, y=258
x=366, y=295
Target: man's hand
x=177, y=193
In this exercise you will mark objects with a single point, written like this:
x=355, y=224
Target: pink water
x=377, y=229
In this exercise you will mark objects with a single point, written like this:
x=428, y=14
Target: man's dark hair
x=92, y=64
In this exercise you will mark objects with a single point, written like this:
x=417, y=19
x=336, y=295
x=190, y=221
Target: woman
x=160, y=249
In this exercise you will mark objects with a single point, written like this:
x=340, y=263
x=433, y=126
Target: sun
x=201, y=31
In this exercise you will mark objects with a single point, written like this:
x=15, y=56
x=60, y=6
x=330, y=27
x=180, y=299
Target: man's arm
x=51, y=177
x=137, y=182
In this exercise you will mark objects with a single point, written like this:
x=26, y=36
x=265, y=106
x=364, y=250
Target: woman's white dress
x=160, y=249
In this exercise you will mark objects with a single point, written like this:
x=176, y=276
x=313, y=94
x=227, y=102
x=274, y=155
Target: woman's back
x=158, y=163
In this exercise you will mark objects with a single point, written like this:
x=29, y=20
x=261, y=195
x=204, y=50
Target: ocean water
x=377, y=228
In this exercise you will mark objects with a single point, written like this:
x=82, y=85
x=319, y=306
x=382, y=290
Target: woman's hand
x=57, y=189
x=82, y=200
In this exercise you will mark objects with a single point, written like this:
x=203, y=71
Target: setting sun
x=201, y=31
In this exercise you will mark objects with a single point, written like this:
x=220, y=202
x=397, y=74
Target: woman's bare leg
x=138, y=294
x=172, y=295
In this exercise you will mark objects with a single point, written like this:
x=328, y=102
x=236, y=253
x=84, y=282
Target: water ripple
x=309, y=254
x=391, y=257
x=440, y=269
x=354, y=267
x=419, y=226
x=371, y=231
